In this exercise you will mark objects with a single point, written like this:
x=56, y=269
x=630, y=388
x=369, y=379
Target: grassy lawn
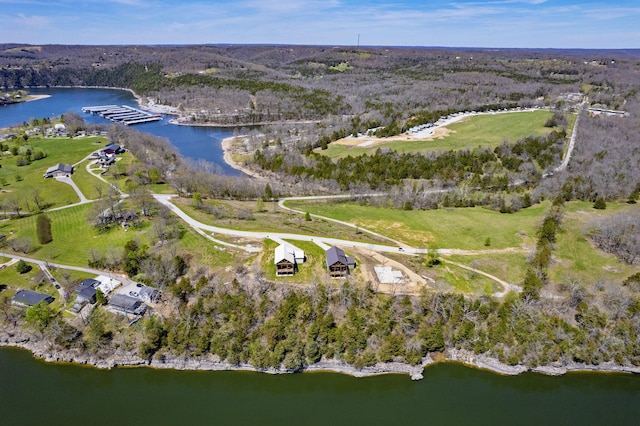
x=509, y=267
x=466, y=228
x=473, y=132
x=575, y=257
x=28, y=281
x=23, y=181
x=161, y=188
x=468, y=282
x=271, y=219
x=73, y=236
x=205, y=252
x=312, y=267
x=12, y=278
x=88, y=183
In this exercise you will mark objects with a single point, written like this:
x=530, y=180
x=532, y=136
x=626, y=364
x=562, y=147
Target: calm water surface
x=34, y=392
x=192, y=142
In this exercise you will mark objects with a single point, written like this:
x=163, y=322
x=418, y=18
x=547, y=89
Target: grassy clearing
x=205, y=252
x=466, y=228
x=576, y=258
x=270, y=219
x=12, y=278
x=23, y=181
x=73, y=237
x=92, y=187
x=509, y=267
x=486, y=131
x=468, y=282
x=342, y=67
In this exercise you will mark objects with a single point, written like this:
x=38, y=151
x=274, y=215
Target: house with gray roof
x=87, y=291
x=127, y=304
x=59, y=170
x=30, y=298
x=338, y=263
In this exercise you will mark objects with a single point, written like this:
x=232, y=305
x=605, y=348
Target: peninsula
x=375, y=229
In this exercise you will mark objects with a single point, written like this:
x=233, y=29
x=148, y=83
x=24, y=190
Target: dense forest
x=252, y=321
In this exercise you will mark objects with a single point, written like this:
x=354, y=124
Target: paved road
x=209, y=230
x=572, y=141
x=166, y=200
x=69, y=181
x=45, y=265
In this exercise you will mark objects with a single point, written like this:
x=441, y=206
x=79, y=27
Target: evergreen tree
x=43, y=224
x=268, y=193
x=23, y=267
x=600, y=203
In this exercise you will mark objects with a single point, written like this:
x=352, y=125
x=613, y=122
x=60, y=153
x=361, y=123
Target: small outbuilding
x=30, y=298
x=338, y=263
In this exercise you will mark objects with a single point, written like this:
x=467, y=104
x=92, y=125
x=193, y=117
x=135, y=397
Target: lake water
x=34, y=392
x=192, y=142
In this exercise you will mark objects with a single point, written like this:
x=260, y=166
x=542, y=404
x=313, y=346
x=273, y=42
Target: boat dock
x=122, y=114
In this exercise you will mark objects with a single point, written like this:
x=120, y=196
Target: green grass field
x=88, y=183
x=271, y=219
x=509, y=267
x=466, y=228
x=486, y=131
x=574, y=256
x=23, y=181
x=73, y=238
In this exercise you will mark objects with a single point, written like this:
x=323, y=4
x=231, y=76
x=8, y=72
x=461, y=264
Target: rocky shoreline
x=121, y=358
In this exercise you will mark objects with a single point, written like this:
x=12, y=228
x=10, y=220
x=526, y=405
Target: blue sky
x=459, y=23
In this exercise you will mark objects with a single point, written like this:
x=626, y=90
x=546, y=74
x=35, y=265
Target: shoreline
x=32, y=98
x=39, y=350
x=227, y=150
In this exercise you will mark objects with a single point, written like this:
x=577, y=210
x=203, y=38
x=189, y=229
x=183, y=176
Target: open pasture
x=479, y=131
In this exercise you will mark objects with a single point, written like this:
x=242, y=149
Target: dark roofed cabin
x=338, y=263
